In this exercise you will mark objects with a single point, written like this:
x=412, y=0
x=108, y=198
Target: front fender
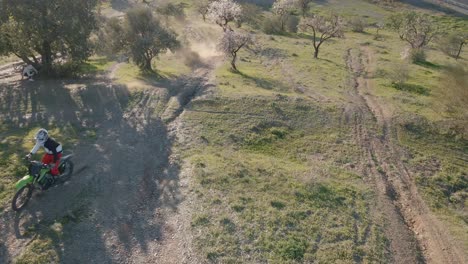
x=24, y=181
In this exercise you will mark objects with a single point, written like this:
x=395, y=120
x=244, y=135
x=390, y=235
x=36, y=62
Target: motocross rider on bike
x=52, y=148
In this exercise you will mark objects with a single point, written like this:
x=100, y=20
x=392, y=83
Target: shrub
x=271, y=25
x=292, y=23
x=292, y=249
x=454, y=83
x=174, y=10
x=417, y=55
x=252, y=15
x=399, y=74
x=357, y=25
x=412, y=88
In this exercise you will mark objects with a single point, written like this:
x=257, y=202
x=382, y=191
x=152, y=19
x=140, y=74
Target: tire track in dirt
x=177, y=246
x=398, y=196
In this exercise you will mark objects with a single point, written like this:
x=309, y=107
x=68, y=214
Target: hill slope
x=290, y=160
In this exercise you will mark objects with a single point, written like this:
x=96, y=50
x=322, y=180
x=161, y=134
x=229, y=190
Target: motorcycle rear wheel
x=22, y=197
x=66, y=170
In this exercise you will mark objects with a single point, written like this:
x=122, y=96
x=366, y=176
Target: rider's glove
x=29, y=156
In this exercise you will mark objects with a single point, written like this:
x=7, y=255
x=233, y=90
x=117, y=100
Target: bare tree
x=224, y=11
x=322, y=28
x=283, y=8
x=415, y=28
x=231, y=42
x=452, y=44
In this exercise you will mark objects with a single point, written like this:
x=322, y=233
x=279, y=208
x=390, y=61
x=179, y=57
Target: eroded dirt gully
x=410, y=225
x=127, y=202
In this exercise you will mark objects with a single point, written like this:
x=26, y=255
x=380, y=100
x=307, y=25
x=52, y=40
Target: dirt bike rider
x=52, y=148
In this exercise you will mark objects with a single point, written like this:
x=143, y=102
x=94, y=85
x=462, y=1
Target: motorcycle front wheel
x=22, y=197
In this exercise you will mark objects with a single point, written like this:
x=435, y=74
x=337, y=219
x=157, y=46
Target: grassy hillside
x=275, y=182
x=275, y=162
x=279, y=154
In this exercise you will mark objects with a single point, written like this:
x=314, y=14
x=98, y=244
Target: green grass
x=95, y=65
x=129, y=73
x=277, y=212
x=352, y=8
x=16, y=143
x=47, y=237
x=273, y=160
x=439, y=163
x=273, y=183
x=423, y=94
x=274, y=164
x=275, y=70
x=40, y=251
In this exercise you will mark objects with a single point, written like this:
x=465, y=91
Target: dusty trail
x=411, y=226
x=129, y=204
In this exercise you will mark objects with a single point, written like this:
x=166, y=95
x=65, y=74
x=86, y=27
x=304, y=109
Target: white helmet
x=42, y=135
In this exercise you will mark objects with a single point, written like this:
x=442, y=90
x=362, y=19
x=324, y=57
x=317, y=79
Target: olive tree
x=231, y=42
x=146, y=37
x=111, y=39
x=140, y=35
x=171, y=10
x=322, y=28
x=48, y=30
x=224, y=11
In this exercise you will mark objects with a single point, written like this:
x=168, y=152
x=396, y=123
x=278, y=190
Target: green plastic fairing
x=24, y=181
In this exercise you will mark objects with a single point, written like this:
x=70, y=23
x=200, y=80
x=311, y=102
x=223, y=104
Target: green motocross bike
x=39, y=177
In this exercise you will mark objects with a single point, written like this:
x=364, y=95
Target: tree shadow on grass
x=113, y=209
x=429, y=65
x=331, y=62
x=412, y=88
x=265, y=83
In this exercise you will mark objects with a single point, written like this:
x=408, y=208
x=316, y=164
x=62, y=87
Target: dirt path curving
x=128, y=202
x=411, y=227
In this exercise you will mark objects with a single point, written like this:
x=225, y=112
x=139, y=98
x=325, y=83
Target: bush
x=174, y=10
x=412, y=88
x=292, y=249
x=67, y=69
x=454, y=83
x=292, y=24
x=399, y=74
x=417, y=55
x=252, y=15
x=271, y=25
x=357, y=25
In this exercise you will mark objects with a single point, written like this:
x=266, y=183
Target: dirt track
x=411, y=225
x=126, y=203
